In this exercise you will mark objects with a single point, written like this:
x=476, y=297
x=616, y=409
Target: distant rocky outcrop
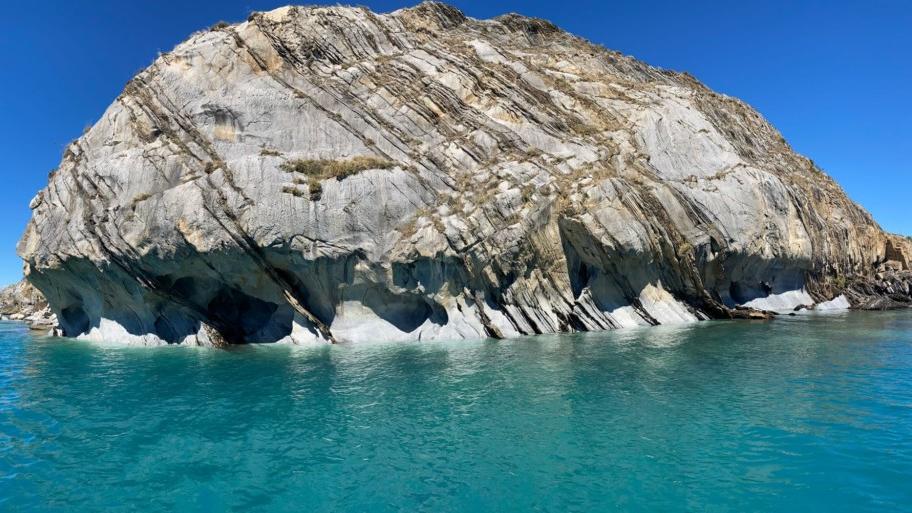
x=319, y=174
x=23, y=302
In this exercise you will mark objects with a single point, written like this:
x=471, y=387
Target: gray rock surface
x=533, y=183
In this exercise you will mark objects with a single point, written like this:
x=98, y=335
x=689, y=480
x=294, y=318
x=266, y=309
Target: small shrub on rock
x=338, y=169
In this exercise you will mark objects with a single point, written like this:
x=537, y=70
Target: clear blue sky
x=835, y=77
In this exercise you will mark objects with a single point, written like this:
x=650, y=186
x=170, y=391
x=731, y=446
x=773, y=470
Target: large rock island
x=320, y=174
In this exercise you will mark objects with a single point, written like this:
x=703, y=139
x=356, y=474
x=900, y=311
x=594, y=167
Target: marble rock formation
x=329, y=174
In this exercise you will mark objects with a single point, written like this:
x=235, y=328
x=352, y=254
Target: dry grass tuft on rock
x=317, y=170
x=143, y=196
x=338, y=169
x=294, y=191
x=315, y=188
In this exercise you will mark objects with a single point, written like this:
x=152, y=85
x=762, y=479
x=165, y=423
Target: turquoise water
x=800, y=414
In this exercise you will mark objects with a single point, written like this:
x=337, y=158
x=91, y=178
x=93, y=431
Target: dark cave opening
x=241, y=318
x=74, y=320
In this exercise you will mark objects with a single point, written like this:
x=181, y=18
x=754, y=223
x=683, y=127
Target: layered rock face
x=332, y=174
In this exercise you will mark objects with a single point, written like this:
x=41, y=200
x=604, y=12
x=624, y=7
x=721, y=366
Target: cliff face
x=332, y=174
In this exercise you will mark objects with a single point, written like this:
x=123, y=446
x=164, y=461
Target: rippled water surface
x=800, y=414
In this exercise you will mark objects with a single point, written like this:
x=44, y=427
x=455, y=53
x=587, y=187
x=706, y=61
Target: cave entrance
x=242, y=319
x=74, y=321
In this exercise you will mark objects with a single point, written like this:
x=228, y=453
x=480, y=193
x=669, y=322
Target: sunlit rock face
x=531, y=182
x=23, y=302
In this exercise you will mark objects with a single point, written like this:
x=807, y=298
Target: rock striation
x=329, y=174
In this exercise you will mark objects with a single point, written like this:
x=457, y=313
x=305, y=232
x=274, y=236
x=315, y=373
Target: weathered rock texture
x=23, y=302
x=890, y=285
x=532, y=182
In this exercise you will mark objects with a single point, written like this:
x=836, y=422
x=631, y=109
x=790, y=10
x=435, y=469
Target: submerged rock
x=321, y=174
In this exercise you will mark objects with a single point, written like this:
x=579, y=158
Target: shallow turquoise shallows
x=800, y=414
